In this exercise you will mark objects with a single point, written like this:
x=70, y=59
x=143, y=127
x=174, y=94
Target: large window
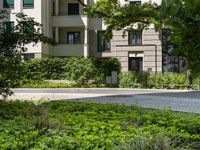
x=8, y=26
x=28, y=3
x=170, y=63
x=8, y=3
x=103, y=44
x=73, y=9
x=135, y=37
x=73, y=38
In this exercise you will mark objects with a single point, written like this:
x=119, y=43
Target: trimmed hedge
x=80, y=70
x=146, y=80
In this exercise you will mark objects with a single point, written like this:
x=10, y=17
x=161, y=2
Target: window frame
x=135, y=3
x=71, y=13
x=136, y=40
x=104, y=48
x=28, y=6
x=7, y=6
x=74, y=35
x=11, y=26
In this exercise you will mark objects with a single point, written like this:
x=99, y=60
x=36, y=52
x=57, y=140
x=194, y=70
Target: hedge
x=150, y=80
x=80, y=70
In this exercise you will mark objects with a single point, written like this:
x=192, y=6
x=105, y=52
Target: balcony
x=68, y=50
x=69, y=21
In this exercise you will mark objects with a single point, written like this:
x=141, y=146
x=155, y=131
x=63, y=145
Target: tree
x=181, y=16
x=12, y=46
x=122, y=17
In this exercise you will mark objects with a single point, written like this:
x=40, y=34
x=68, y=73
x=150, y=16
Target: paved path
x=186, y=101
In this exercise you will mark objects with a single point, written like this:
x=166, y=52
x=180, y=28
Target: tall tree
x=181, y=16
x=13, y=41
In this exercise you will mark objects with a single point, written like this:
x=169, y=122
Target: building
x=79, y=35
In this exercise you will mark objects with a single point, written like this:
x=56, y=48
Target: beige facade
x=64, y=27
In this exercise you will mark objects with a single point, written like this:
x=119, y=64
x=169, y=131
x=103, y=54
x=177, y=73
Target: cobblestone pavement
x=185, y=101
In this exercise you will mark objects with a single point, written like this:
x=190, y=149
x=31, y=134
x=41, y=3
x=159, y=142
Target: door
x=136, y=64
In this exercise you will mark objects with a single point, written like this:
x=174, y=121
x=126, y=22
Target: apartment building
x=78, y=35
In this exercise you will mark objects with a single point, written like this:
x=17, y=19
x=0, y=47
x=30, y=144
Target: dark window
x=28, y=56
x=135, y=3
x=73, y=38
x=170, y=63
x=73, y=9
x=8, y=26
x=135, y=37
x=103, y=44
x=8, y=3
x=28, y=3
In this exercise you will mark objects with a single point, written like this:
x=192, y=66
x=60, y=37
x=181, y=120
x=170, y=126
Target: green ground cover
x=73, y=125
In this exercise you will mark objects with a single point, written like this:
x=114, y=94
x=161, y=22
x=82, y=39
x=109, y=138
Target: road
x=185, y=101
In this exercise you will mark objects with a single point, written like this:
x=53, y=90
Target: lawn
x=73, y=125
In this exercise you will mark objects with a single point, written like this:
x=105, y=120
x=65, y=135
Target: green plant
x=75, y=125
x=127, y=80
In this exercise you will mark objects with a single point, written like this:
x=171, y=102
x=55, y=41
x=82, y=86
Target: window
x=135, y=37
x=135, y=3
x=73, y=9
x=103, y=45
x=28, y=56
x=73, y=38
x=28, y=3
x=8, y=3
x=8, y=26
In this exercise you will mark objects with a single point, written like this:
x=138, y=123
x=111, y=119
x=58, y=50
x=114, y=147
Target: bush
x=75, y=125
x=127, y=80
x=167, y=80
x=45, y=68
x=80, y=70
x=158, y=81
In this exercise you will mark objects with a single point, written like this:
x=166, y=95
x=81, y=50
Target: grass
x=46, y=84
x=73, y=125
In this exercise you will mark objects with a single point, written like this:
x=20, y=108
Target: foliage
x=127, y=80
x=72, y=125
x=117, y=16
x=183, y=18
x=81, y=70
x=48, y=84
x=146, y=80
x=45, y=68
x=12, y=45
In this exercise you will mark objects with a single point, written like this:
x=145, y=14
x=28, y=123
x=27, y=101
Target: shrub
x=167, y=80
x=80, y=70
x=147, y=80
x=127, y=80
x=45, y=68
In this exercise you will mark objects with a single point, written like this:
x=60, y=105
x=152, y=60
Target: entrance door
x=136, y=64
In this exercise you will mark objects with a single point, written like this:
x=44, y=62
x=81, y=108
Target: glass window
x=73, y=38
x=8, y=26
x=103, y=45
x=135, y=3
x=73, y=9
x=8, y=3
x=28, y=3
x=135, y=37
